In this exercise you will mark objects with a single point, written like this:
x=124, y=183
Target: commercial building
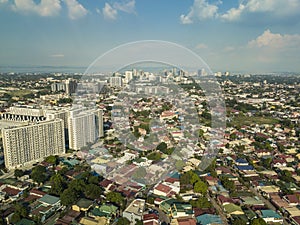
x=33, y=142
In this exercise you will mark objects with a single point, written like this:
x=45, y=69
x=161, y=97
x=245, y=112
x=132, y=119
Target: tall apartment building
x=115, y=81
x=84, y=127
x=33, y=142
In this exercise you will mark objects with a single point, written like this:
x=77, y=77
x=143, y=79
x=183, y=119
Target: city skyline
x=246, y=36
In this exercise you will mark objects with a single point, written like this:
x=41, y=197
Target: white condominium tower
x=84, y=127
x=33, y=142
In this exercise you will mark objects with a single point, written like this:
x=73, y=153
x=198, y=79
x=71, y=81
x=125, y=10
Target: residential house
x=134, y=211
x=209, y=219
x=82, y=205
x=232, y=209
x=270, y=216
x=45, y=207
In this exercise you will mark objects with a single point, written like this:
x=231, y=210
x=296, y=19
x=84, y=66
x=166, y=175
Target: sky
x=248, y=36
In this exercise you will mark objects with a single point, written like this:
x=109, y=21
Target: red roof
x=151, y=216
x=163, y=188
x=223, y=199
x=186, y=221
x=105, y=183
x=11, y=191
x=37, y=192
x=151, y=222
x=171, y=180
x=292, y=198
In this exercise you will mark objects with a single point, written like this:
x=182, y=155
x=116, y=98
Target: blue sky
x=230, y=35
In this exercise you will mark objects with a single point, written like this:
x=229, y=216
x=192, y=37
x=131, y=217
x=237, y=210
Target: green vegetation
x=190, y=180
x=258, y=221
x=155, y=156
x=242, y=120
x=18, y=173
x=201, y=203
x=123, y=221
x=38, y=174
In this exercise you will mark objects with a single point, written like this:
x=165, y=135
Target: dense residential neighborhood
x=253, y=179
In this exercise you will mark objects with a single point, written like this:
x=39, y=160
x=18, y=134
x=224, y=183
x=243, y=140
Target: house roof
x=11, y=191
x=231, y=208
x=240, y=160
x=269, y=213
x=186, y=221
x=249, y=167
x=84, y=203
x=49, y=199
x=163, y=188
x=252, y=201
x=25, y=222
x=292, y=198
x=151, y=216
x=207, y=219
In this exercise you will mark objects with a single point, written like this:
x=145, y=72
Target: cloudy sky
x=229, y=35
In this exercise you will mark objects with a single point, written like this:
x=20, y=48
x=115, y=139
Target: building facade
x=33, y=142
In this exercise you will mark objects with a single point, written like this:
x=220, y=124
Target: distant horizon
x=245, y=36
x=82, y=69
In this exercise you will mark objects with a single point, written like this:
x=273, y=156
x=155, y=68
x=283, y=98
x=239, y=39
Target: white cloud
x=75, y=9
x=44, y=8
x=233, y=13
x=273, y=8
x=109, y=12
x=201, y=46
x=200, y=10
x=275, y=41
x=98, y=11
x=3, y=1
x=125, y=6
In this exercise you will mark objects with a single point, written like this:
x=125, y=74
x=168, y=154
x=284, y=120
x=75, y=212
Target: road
x=219, y=209
x=162, y=216
x=267, y=203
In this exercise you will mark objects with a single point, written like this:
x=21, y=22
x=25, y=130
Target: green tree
x=69, y=197
x=123, y=221
x=20, y=212
x=155, y=156
x=93, y=180
x=162, y=147
x=115, y=197
x=52, y=159
x=228, y=184
x=77, y=185
x=92, y=191
x=18, y=173
x=38, y=174
x=200, y=187
x=286, y=176
x=201, y=203
x=138, y=222
x=258, y=221
x=58, y=184
x=238, y=222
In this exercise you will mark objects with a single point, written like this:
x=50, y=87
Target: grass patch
x=245, y=120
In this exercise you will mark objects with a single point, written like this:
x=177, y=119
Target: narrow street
x=267, y=203
x=219, y=209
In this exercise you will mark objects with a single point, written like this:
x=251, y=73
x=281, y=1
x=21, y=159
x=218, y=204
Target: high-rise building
x=115, y=81
x=84, y=127
x=58, y=87
x=71, y=86
x=33, y=142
